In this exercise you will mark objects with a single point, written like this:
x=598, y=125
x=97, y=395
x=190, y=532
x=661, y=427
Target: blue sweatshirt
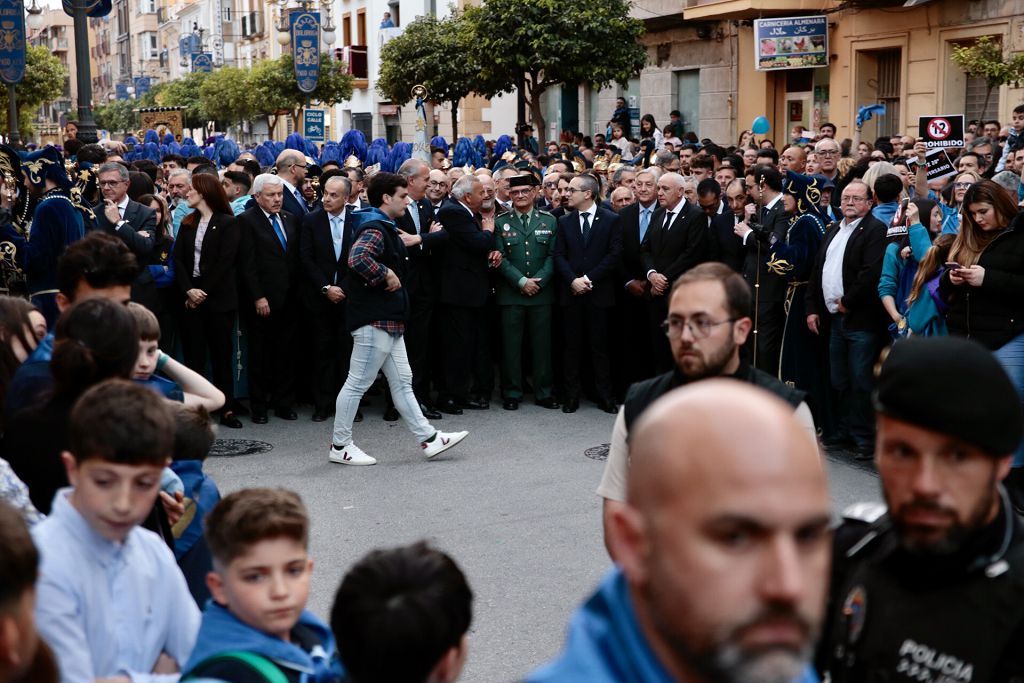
x=605, y=644
x=222, y=632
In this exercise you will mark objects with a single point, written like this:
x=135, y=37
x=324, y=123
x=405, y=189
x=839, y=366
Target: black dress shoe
x=608, y=406
x=511, y=404
x=229, y=420
x=450, y=407
x=391, y=414
x=571, y=406
x=258, y=418
x=475, y=404
x=358, y=417
x=286, y=414
x=429, y=412
x=319, y=416
x=550, y=403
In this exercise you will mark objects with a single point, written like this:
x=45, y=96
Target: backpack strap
x=257, y=664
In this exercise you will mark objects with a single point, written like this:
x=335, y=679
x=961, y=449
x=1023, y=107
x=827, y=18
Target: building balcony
x=709, y=10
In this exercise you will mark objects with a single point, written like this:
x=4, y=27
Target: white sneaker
x=442, y=442
x=350, y=455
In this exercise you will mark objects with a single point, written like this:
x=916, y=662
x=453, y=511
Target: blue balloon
x=761, y=125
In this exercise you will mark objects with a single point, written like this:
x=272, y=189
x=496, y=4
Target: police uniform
x=527, y=248
x=902, y=614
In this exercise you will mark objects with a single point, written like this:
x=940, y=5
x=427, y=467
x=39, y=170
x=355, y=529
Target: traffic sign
x=313, y=125
x=942, y=131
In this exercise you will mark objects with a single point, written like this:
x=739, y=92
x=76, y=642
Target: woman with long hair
x=204, y=264
x=905, y=250
x=163, y=273
x=925, y=317
x=649, y=129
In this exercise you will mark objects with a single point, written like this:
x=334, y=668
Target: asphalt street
x=514, y=504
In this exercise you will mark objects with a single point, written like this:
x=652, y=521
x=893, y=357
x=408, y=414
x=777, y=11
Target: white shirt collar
x=467, y=208
x=288, y=186
x=591, y=212
x=268, y=215
x=852, y=224
x=677, y=209
x=123, y=204
x=772, y=203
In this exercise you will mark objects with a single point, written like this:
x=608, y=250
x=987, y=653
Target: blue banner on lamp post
x=306, y=48
x=12, y=41
x=202, y=62
x=142, y=85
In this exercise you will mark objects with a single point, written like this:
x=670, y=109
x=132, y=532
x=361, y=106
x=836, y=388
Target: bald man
x=794, y=159
x=677, y=240
x=291, y=169
x=621, y=197
x=723, y=548
x=437, y=188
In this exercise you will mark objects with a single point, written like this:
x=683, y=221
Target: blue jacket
x=885, y=212
x=923, y=316
x=222, y=632
x=200, y=491
x=605, y=644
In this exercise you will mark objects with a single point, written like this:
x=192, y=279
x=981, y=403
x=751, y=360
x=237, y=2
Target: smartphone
x=953, y=265
x=900, y=217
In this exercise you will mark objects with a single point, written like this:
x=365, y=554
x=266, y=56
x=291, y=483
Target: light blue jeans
x=374, y=350
x=1011, y=356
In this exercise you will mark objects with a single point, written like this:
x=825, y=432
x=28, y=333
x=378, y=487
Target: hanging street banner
x=791, y=43
x=121, y=91
x=313, y=125
x=202, y=62
x=12, y=41
x=143, y=84
x=306, y=48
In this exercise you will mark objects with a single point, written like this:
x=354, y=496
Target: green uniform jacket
x=525, y=254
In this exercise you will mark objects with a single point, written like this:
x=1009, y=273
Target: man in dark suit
x=766, y=225
x=291, y=169
x=324, y=243
x=588, y=249
x=465, y=284
x=421, y=234
x=842, y=299
x=723, y=244
x=636, y=352
x=134, y=223
x=358, y=180
x=268, y=258
x=437, y=189
x=676, y=241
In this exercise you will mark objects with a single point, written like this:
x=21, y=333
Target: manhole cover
x=233, y=448
x=597, y=452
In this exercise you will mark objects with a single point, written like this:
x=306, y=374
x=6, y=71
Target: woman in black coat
x=205, y=251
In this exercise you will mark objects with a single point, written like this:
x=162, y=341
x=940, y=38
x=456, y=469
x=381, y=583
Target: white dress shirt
x=832, y=271
x=122, y=206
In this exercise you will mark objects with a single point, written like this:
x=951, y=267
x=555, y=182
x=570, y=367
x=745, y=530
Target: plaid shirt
x=362, y=258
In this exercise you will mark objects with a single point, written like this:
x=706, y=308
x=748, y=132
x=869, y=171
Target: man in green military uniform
x=526, y=240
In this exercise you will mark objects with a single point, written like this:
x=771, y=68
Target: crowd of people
x=158, y=295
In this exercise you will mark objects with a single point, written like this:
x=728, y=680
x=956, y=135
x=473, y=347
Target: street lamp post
x=83, y=74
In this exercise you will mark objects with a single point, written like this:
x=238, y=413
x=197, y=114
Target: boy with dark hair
x=111, y=600
x=19, y=564
x=256, y=628
x=412, y=600
x=193, y=439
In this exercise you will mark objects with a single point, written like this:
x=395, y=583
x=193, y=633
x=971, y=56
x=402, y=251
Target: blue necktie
x=414, y=213
x=338, y=237
x=301, y=201
x=645, y=220
x=279, y=232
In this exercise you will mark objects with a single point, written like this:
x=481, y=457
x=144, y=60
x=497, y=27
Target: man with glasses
x=842, y=301
x=437, y=188
x=525, y=236
x=984, y=148
x=827, y=155
x=134, y=223
x=550, y=198
x=291, y=169
x=709, y=319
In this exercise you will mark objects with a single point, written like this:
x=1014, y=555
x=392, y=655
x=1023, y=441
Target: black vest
x=643, y=394
x=895, y=618
x=365, y=303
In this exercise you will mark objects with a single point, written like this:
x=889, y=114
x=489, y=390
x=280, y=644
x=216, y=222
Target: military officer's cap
x=525, y=180
x=952, y=386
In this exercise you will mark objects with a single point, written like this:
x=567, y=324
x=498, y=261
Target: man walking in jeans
x=378, y=307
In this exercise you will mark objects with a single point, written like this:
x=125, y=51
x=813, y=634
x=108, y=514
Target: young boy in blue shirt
x=256, y=627
x=111, y=601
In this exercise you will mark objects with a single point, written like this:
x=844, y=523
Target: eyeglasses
x=851, y=200
x=436, y=183
x=550, y=184
x=301, y=165
x=572, y=190
x=828, y=152
x=518, y=192
x=962, y=186
x=700, y=328
x=109, y=183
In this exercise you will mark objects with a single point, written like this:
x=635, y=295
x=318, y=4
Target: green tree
x=226, y=96
x=153, y=96
x=985, y=59
x=184, y=92
x=117, y=116
x=436, y=54
x=44, y=80
x=276, y=91
x=536, y=44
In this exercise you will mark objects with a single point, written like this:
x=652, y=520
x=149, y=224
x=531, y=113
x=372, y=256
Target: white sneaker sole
x=451, y=443
x=340, y=459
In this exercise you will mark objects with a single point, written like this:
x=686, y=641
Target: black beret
x=526, y=180
x=952, y=386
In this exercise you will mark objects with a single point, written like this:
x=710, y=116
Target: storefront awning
x=709, y=10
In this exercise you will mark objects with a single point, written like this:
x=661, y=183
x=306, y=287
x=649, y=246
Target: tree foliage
x=437, y=54
x=537, y=44
x=117, y=116
x=276, y=91
x=44, y=81
x=185, y=92
x=985, y=59
x=227, y=97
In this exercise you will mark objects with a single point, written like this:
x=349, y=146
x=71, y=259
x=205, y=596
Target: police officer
x=525, y=294
x=930, y=587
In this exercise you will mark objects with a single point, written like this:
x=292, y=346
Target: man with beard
x=722, y=547
x=930, y=590
x=708, y=322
